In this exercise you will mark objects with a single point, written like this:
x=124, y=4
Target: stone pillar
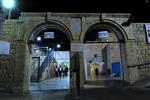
x=6, y=73
x=1, y=31
x=125, y=71
x=27, y=69
x=131, y=60
x=72, y=74
x=1, y=22
x=20, y=51
x=82, y=69
x=134, y=74
x=131, y=53
x=74, y=71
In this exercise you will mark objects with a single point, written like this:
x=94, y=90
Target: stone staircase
x=106, y=83
x=34, y=77
x=142, y=84
x=34, y=73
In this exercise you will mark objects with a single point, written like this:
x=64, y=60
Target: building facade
x=97, y=39
x=1, y=20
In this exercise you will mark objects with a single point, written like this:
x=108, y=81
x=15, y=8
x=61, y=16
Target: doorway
x=51, y=46
x=104, y=54
x=102, y=61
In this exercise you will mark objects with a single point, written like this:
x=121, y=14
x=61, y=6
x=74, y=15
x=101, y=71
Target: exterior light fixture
x=50, y=49
x=129, y=21
x=146, y=1
x=38, y=38
x=8, y=4
x=58, y=46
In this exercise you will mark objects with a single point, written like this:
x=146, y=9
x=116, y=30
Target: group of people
x=61, y=71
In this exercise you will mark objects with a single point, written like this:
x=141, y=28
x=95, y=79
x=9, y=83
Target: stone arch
x=29, y=39
x=109, y=25
x=119, y=33
x=51, y=24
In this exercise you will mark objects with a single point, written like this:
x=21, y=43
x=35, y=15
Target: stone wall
x=1, y=21
x=14, y=73
x=6, y=73
x=140, y=52
x=19, y=70
x=12, y=68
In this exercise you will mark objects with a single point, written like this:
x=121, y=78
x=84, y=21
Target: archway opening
x=50, y=58
x=103, y=54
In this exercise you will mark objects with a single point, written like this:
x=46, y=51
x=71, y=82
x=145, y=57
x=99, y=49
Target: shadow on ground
x=111, y=94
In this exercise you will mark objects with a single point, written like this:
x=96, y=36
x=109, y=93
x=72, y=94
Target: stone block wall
x=19, y=70
x=12, y=67
x=6, y=73
x=139, y=54
x=8, y=62
x=136, y=50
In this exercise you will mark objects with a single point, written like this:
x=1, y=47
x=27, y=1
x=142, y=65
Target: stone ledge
x=42, y=14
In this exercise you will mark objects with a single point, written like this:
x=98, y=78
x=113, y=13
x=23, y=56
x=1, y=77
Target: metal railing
x=45, y=63
x=139, y=65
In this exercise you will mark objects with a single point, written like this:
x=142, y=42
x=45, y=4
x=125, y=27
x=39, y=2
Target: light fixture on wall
x=146, y=1
x=1, y=21
x=8, y=5
x=129, y=21
x=58, y=46
x=39, y=38
x=50, y=49
x=100, y=17
x=46, y=17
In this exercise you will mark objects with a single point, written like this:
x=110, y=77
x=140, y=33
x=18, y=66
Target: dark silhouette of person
x=56, y=71
x=60, y=71
x=63, y=70
x=96, y=72
x=66, y=70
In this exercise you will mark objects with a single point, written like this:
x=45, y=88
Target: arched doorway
x=104, y=53
x=47, y=42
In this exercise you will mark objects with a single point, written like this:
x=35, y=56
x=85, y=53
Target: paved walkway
x=51, y=84
x=52, y=89
x=37, y=95
x=111, y=94
x=43, y=91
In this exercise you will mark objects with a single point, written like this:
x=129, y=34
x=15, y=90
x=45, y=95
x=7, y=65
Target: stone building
x=1, y=20
x=123, y=46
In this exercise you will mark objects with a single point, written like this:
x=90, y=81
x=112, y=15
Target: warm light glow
x=8, y=4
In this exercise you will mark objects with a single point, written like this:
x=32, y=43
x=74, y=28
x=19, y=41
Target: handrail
x=139, y=65
x=46, y=61
x=33, y=63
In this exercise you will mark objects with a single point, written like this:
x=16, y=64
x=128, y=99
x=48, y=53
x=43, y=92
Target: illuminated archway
x=103, y=49
x=61, y=31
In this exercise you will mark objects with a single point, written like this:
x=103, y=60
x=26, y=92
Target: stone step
x=107, y=83
x=34, y=80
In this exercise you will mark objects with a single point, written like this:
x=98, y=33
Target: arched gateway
x=62, y=35
x=116, y=52
x=52, y=24
x=104, y=53
x=108, y=51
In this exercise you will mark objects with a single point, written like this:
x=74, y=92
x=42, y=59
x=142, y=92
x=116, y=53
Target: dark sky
x=83, y=5
x=140, y=8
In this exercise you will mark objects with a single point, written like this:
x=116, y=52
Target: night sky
x=138, y=8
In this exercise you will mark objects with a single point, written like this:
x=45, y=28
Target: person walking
x=56, y=71
x=60, y=71
x=66, y=70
